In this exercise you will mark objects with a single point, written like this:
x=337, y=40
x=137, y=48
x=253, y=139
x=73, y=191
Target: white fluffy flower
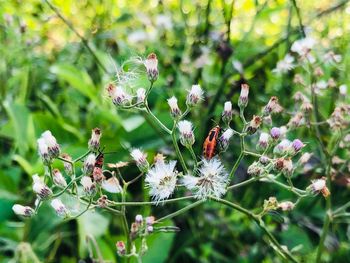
x=303, y=48
x=224, y=139
x=43, y=150
x=88, y=185
x=58, y=178
x=186, y=133
x=212, y=180
x=331, y=57
x=118, y=95
x=40, y=188
x=22, y=210
x=89, y=164
x=161, y=179
x=174, y=108
x=59, y=207
x=140, y=159
x=52, y=145
x=195, y=95
x=284, y=65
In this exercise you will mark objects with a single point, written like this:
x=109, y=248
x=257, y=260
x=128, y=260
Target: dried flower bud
x=306, y=106
x=286, y=206
x=254, y=124
x=264, y=160
x=121, y=250
x=141, y=159
x=133, y=230
x=282, y=148
x=299, y=97
x=318, y=72
x=141, y=95
x=243, y=98
x=186, y=133
x=297, y=145
x=224, y=139
x=102, y=201
x=263, y=141
x=58, y=178
x=68, y=167
x=194, y=96
x=174, y=108
x=89, y=164
x=254, y=169
x=59, y=207
x=138, y=219
x=275, y=133
x=271, y=106
x=97, y=174
x=319, y=186
x=118, y=95
x=151, y=64
x=94, y=142
x=227, y=114
x=43, y=151
x=40, y=188
x=88, y=186
x=298, y=79
x=270, y=204
x=296, y=120
x=287, y=167
x=21, y=210
x=53, y=147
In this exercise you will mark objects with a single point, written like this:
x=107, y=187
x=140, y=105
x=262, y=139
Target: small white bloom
x=40, y=188
x=89, y=164
x=111, y=185
x=140, y=159
x=343, y=89
x=50, y=140
x=195, y=95
x=164, y=21
x=284, y=65
x=305, y=158
x=88, y=185
x=286, y=205
x=161, y=179
x=263, y=140
x=331, y=57
x=224, y=139
x=21, y=210
x=43, y=150
x=227, y=114
x=303, y=48
x=94, y=142
x=243, y=97
x=138, y=219
x=141, y=95
x=318, y=185
x=237, y=65
x=58, y=178
x=212, y=180
x=174, y=108
x=186, y=133
x=59, y=207
x=228, y=106
x=151, y=64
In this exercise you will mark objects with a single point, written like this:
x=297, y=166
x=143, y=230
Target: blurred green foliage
x=50, y=80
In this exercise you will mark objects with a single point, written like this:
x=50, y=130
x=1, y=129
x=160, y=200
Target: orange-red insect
x=209, y=146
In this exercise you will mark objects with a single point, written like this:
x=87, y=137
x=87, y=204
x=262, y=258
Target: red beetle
x=210, y=143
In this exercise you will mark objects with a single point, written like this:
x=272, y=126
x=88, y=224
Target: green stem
x=240, y=157
x=193, y=157
x=253, y=179
x=151, y=202
x=177, y=149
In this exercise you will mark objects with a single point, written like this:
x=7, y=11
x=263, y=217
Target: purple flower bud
x=275, y=133
x=297, y=145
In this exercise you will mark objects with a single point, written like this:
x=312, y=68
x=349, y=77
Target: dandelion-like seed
x=211, y=180
x=186, y=133
x=161, y=180
x=194, y=95
x=174, y=108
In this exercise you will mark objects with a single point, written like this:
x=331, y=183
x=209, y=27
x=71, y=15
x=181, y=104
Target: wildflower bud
x=186, y=134
x=227, y=114
x=68, y=167
x=343, y=90
x=254, y=124
x=159, y=158
x=40, y=188
x=43, y=151
x=282, y=147
x=121, y=250
x=243, y=98
x=286, y=206
x=150, y=220
x=149, y=229
x=118, y=95
x=174, y=108
x=331, y=83
x=151, y=64
x=89, y=164
x=305, y=158
x=254, y=169
x=138, y=219
x=319, y=186
x=58, y=178
x=318, y=72
x=194, y=96
x=224, y=139
x=263, y=141
x=133, y=230
x=271, y=106
x=88, y=186
x=283, y=130
x=102, y=201
x=264, y=160
x=298, y=79
x=306, y=106
x=59, y=207
x=275, y=133
x=299, y=97
x=141, y=95
x=97, y=174
x=21, y=210
x=140, y=159
x=287, y=167
x=279, y=163
x=267, y=120
x=296, y=120
x=270, y=204
x=94, y=142
x=297, y=145
x=53, y=147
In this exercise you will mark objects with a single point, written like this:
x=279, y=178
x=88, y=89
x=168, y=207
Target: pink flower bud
x=151, y=64
x=121, y=250
x=275, y=133
x=94, y=142
x=243, y=98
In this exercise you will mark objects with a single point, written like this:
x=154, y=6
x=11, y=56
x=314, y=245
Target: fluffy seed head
x=194, y=96
x=224, y=139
